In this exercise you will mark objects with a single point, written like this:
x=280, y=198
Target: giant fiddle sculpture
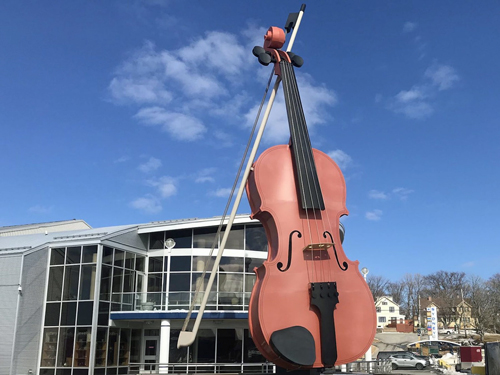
x=310, y=307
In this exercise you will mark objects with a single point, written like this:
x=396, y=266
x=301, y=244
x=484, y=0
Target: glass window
x=235, y=238
x=87, y=283
x=112, y=346
x=250, y=352
x=55, y=283
x=100, y=348
x=135, y=346
x=229, y=345
x=202, y=284
x=391, y=309
x=156, y=240
x=140, y=262
x=52, y=311
x=82, y=348
x=68, y=313
x=379, y=309
x=107, y=256
x=89, y=254
x=103, y=318
x=155, y=264
x=200, y=263
x=57, y=256
x=128, y=281
x=177, y=355
x=105, y=283
x=154, y=283
x=204, y=237
x=124, y=347
x=206, y=346
x=73, y=255
x=249, y=282
x=180, y=263
x=179, y=282
x=231, y=264
x=72, y=273
x=49, y=347
x=255, y=237
x=85, y=312
x=65, y=352
x=129, y=260
x=117, y=284
x=119, y=258
x=381, y=319
x=182, y=238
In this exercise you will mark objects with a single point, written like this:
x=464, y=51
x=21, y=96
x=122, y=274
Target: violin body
x=282, y=302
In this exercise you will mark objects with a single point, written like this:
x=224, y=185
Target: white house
x=387, y=311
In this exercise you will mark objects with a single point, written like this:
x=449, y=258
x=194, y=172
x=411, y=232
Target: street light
x=368, y=355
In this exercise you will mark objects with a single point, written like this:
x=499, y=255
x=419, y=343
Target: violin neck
x=305, y=168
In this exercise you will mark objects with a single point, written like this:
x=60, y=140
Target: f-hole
x=344, y=264
x=289, y=261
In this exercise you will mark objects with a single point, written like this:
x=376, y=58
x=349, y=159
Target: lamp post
x=368, y=354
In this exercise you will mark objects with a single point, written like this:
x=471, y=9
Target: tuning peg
x=296, y=60
x=257, y=50
x=265, y=58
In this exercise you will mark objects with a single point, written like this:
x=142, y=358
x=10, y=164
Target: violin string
x=310, y=166
x=286, y=79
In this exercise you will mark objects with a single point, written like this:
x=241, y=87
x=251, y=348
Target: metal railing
x=180, y=301
x=201, y=368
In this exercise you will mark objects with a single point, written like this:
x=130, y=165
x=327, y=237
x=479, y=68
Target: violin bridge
x=317, y=251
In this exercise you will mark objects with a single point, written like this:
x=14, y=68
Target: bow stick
x=186, y=338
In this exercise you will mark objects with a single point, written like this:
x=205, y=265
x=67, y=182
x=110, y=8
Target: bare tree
x=378, y=286
x=412, y=285
x=493, y=285
x=482, y=304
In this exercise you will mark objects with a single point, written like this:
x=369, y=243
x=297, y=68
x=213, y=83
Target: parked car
x=446, y=331
x=407, y=360
x=387, y=354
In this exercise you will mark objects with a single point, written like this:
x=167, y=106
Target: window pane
x=117, y=284
x=177, y=355
x=85, y=312
x=49, y=347
x=231, y=264
x=251, y=353
x=154, y=283
x=57, y=256
x=180, y=263
x=206, y=346
x=128, y=281
x=135, y=346
x=100, y=348
x=82, y=349
x=73, y=255
x=112, y=349
x=129, y=260
x=139, y=263
x=55, y=283
x=235, y=238
x=155, y=264
x=52, y=311
x=68, y=313
x=119, y=258
x=229, y=342
x=71, y=276
x=124, y=347
x=182, y=238
x=200, y=263
x=156, y=240
x=87, y=283
x=103, y=318
x=249, y=282
x=204, y=237
x=65, y=352
x=89, y=254
x=255, y=238
x=105, y=283
x=251, y=263
x=179, y=282
x=107, y=256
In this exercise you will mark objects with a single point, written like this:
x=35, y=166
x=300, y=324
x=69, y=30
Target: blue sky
x=123, y=112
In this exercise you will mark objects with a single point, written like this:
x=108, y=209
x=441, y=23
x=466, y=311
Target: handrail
x=193, y=368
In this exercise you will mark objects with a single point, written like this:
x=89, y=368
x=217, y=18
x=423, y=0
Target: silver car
x=407, y=360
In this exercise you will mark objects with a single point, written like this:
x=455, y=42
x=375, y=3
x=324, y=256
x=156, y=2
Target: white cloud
x=148, y=204
x=166, y=186
x=374, y=215
x=341, y=158
x=409, y=27
x=442, y=76
x=122, y=159
x=151, y=165
x=417, y=103
x=205, y=175
x=141, y=91
x=375, y=194
x=402, y=193
x=178, y=125
x=39, y=209
x=221, y=193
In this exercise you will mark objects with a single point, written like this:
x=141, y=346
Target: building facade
x=113, y=300
x=387, y=312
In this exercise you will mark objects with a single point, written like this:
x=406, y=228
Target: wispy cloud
x=148, y=204
x=205, y=175
x=341, y=158
x=151, y=165
x=374, y=215
x=121, y=159
x=402, y=193
x=375, y=194
x=221, y=193
x=417, y=102
x=166, y=186
x=409, y=27
x=39, y=209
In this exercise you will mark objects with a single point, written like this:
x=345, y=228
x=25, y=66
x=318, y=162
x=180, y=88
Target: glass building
x=77, y=300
